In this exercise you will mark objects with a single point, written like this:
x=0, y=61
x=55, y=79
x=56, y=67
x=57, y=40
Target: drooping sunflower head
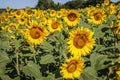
x=98, y=17
x=72, y=18
x=35, y=34
x=80, y=42
x=54, y=25
x=73, y=68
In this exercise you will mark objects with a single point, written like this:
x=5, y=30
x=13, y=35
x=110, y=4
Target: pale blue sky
x=18, y=4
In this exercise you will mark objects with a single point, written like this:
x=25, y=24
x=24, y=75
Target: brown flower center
x=79, y=41
x=29, y=12
x=55, y=25
x=72, y=66
x=98, y=16
x=22, y=20
x=72, y=16
x=18, y=12
x=35, y=32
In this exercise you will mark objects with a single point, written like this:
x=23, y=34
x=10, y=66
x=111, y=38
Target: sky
x=20, y=4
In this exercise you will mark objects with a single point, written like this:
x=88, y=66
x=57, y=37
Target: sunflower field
x=65, y=44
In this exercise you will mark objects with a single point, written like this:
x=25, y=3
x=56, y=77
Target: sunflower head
x=19, y=13
x=80, y=42
x=8, y=8
x=118, y=15
x=73, y=68
x=54, y=25
x=52, y=13
x=59, y=14
x=118, y=73
x=106, y=2
x=90, y=10
x=35, y=34
x=72, y=17
x=98, y=17
x=111, y=9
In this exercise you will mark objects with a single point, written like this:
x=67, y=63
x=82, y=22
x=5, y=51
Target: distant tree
x=48, y=4
x=73, y=4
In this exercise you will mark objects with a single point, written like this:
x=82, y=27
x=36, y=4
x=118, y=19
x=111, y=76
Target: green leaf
x=32, y=70
x=49, y=77
x=89, y=74
x=6, y=77
x=110, y=19
x=98, y=60
x=47, y=59
x=98, y=30
x=17, y=78
x=4, y=59
x=47, y=47
x=118, y=45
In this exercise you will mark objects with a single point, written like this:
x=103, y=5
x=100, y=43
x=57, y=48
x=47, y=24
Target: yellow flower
x=19, y=13
x=35, y=34
x=118, y=15
x=10, y=27
x=72, y=18
x=118, y=73
x=111, y=9
x=73, y=68
x=90, y=10
x=28, y=13
x=117, y=29
x=59, y=14
x=22, y=20
x=80, y=42
x=37, y=14
x=54, y=25
x=8, y=8
x=52, y=13
x=106, y=2
x=97, y=17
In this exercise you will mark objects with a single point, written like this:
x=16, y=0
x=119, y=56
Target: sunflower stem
x=35, y=59
x=17, y=64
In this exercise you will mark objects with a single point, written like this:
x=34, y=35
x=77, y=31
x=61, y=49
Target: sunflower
x=10, y=27
x=106, y=2
x=118, y=15
x=8, y=8
x=72, y=18
x=111, y=9
x=21, y=20
x=90, y=10
x=97, y=17
x=19, y=13
x=73, y=68
x=35, y=34
x=59, y=14
x=118, y=72
x=52, y=13
x=117, y=29
x=80, y=42
x=54, y=25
